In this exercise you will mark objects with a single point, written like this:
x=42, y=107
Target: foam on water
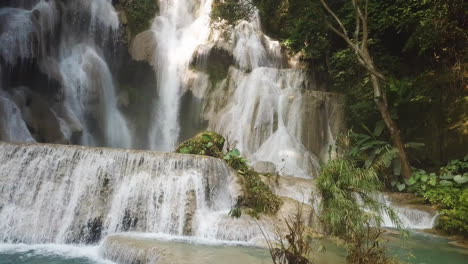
x=65, y=251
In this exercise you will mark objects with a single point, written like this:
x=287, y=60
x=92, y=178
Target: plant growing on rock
x=257, y=196
x=204, y=143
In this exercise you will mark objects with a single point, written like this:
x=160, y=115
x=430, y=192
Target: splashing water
x=181, y=27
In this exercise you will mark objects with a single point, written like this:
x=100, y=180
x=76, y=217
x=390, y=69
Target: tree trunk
x=380, y=99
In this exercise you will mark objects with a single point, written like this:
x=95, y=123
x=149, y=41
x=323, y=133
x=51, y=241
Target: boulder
x=143, y=46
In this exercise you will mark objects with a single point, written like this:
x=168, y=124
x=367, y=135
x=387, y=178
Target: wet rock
x=214, y=60
x=143, y=46
x=323, y=113
x=265, y=167
x=190, y=210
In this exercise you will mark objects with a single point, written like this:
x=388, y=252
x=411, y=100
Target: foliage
x=372, y=150
x=448, y=191
x=455, y=174
x=349, y=211
x=139, y=14
x=455, y=220
x=294, y=247
x=256, y=196
x=232, y=11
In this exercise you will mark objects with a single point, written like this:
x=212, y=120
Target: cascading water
x=89, y=88
x=243, y=88
x=180, y=28
x=259, y=106
x=411, y=218
x=12, y=125
x=64, y=40
x=63, y=194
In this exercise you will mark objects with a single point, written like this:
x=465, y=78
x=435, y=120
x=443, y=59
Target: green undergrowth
x=448, y=190
x=257, y=197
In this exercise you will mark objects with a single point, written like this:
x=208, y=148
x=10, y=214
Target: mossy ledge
x=138, y=14
x=257, y=197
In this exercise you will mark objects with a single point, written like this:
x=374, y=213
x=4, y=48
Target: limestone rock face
x=265, y=167
x=143, y=46
x=322, y=110
x=214, y=59
x=144, y=249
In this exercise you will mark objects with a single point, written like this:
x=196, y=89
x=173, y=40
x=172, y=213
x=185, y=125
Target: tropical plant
x=453, y=175
x=374, y=152
x=448, y=191
x=350, y=213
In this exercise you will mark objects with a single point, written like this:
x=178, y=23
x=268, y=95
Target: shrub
x=350, y=213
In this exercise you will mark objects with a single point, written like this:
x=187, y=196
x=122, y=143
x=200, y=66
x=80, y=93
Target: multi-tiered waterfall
x=59, y=83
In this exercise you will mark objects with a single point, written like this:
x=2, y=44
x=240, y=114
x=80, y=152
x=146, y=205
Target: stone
x=143, y=46
x=265, y=167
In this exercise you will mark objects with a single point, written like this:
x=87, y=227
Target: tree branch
x=325, y=5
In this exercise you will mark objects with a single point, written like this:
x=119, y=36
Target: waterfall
x=180, y=28
x=411, y=218
x=72, y=194
x=89, y=88
x=12, y=125
x=260, y=104
x=64, y=43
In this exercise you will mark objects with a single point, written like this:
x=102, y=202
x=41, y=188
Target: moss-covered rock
x=257, y=196
x=137, y=14
x=205, y=143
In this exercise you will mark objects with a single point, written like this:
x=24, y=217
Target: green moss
x=139, y=14
x=205, y=143
x=257, y=197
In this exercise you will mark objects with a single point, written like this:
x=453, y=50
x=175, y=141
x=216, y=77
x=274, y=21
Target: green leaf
x=411, y=181
x=379, y=127
x=433, y=180
x=460, y=179
x=227, y=157
x=424, y=178
x=207, y=137
x=185, y=150
x=370, y=160
x=209, y=145
x=235, y=152
x=393, y=183
x=446, y=183
x=401, y=186
x=447, y=176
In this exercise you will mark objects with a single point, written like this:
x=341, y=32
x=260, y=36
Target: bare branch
x=325, y=5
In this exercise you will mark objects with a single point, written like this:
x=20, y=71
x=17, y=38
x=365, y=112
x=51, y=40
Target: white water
x=259, y=106
x=63, y=194
x=67, y=251
x=411, y=218
x=12, y=125
x=89, y=89
x=89, y=108
x=180, y=28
